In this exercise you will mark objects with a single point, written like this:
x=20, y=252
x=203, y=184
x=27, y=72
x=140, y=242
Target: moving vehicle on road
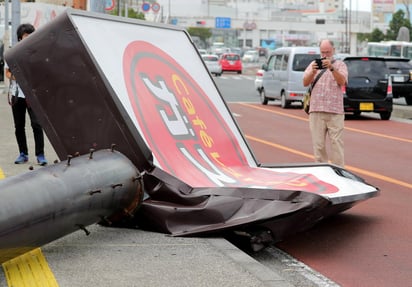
x=251, y=56
x=369, y=87
x=400, y=70
x=283, y=74
x=231, y=62
x=212, y=63
x=202, y=51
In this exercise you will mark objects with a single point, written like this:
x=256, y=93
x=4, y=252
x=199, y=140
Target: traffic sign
x=155, y=7
x=222, y=22
x=145, y=6
x=109, y=5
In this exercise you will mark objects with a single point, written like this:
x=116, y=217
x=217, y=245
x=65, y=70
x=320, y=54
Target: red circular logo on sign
x=155, y=7
x=181, y=125
x=188, y=136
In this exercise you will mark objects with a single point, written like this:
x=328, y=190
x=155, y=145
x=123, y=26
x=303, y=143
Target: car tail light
x=259, y=74
x=389, y=89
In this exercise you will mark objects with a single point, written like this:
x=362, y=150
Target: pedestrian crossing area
x=233, y=76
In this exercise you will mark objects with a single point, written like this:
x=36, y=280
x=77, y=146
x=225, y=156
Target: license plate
x=366, y=106
x=231, y=63
x=398, y=79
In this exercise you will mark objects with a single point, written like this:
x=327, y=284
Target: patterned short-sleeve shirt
x=327, y=94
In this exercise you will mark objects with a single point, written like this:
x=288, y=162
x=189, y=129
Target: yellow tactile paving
x=28, y=270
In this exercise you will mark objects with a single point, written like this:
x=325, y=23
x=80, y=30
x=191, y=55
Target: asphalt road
x=367, y=245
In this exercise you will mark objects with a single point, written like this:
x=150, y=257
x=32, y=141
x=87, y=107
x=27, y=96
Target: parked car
x=401, y=73
x=212, y=63
x=283, y=74
x=231, y=62
x=251, y=56
x=369, y=87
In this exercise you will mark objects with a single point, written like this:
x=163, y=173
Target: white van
x=283, y=74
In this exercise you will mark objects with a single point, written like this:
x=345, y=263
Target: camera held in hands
x=319, y=63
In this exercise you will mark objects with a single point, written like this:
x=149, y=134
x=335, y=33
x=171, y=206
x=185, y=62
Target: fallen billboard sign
x=143, y=88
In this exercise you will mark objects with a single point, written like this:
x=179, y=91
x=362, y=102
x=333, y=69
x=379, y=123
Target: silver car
x=283, y=74
x=251, y=56
x=212, y=63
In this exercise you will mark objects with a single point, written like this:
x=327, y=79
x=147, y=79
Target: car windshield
x=210, y=58
x=232, y=57
x=395, y=65
x=301, y=61
x=364, y=67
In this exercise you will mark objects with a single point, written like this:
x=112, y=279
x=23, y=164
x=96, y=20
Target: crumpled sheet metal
x=172, y=209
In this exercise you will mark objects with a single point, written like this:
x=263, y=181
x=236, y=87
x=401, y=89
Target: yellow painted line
x=379, y=135
x=306, y=119
x=263, y=108
x=28, y=270
x=278, y=146
x=348, y=167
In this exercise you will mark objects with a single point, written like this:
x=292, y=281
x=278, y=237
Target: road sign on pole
x=145, y=6
x=223, y=22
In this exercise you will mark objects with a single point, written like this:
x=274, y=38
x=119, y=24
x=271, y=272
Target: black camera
x=319, y=63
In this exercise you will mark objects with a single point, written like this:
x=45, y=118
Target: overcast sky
x=361, y=5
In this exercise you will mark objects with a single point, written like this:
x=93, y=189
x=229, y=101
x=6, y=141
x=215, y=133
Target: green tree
x=131, y=13
x=398, y=21
x=376, y=35
x=203, y=33
x=136, y=15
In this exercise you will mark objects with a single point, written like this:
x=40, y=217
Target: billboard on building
x=382, y=6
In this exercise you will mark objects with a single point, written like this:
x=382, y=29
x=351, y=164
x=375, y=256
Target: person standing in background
x=326, y=113
x=19, y=107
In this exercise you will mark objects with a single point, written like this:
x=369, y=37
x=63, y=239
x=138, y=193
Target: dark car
x=231, y=62
x=401, y=73
x=369, y=87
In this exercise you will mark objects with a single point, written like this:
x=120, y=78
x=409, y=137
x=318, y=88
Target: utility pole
x=408, y=13
x=15, y=20
x=6, y=37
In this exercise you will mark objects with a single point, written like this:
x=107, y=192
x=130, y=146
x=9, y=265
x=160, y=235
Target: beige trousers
x=327, y=124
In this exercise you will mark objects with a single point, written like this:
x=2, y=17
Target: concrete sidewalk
x=124, y=257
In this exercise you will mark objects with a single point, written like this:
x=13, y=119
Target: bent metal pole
x=40, y=206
